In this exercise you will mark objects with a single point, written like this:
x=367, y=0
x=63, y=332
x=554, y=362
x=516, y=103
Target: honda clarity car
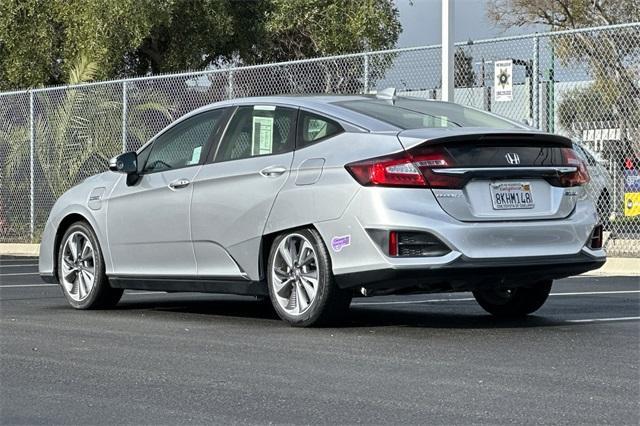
x=311, y=200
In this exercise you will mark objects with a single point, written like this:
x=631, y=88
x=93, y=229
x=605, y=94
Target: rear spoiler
x=437, y=136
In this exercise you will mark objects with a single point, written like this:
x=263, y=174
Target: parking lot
x=197, y=358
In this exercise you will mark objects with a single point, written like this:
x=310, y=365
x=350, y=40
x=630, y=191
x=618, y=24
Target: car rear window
x=418, y=114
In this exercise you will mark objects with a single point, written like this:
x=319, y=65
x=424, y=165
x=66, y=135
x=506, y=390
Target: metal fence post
x=31, y=164
x=231, y=85
x=366, y=73
x=536, y=82
x=125, y=111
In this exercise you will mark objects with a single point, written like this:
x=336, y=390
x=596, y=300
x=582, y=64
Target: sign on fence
x=503, y=76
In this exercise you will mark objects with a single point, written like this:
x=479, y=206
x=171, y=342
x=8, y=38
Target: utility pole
x=447, y=50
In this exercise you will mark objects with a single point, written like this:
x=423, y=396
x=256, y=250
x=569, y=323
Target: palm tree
x=76, y=130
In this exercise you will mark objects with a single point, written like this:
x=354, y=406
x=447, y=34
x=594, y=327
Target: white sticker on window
x=195, y=156
x=262, y=138
x=264, y=107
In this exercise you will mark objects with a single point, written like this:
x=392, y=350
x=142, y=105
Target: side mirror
x=124, y=163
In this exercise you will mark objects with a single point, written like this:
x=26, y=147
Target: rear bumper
x=464, y=274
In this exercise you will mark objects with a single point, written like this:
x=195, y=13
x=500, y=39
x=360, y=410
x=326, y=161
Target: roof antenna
x=388, y=94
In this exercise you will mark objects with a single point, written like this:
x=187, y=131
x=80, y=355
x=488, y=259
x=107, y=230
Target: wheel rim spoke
x=284, y=253
x=309, y=289
x=285, y=289
x=303, y=299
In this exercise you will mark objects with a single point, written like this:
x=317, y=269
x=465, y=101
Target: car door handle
x=180, y=183
x=273, y=171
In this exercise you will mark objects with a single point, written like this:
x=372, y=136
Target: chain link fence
x=583, y=83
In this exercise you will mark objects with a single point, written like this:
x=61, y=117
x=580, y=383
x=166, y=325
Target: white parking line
x=27, y=285
x=466, y=299
x=414, y=302
x=604, y=319
x=588, y=293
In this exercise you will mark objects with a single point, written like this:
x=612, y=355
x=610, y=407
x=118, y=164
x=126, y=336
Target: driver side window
x=184, y=145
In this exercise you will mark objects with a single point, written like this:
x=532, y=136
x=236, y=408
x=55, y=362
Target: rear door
x=498, y=176
x=234, y=193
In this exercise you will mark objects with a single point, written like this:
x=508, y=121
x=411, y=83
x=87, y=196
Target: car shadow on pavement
x=357, y=317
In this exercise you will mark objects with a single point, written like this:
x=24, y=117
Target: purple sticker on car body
x=338, y=243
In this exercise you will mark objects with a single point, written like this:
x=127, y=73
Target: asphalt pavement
x=162, y=358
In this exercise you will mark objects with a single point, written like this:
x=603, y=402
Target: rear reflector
x=393, y=243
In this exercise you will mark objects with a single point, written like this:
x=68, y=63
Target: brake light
x=393, y=170
x=407, y=169
x=577, y=178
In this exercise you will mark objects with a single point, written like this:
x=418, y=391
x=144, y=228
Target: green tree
x=40, y=39
x=611, y=56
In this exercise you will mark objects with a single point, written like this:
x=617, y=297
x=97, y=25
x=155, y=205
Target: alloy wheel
x=78, y=266
x=295, y=275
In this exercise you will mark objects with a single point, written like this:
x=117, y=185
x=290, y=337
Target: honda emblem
x=512, y=158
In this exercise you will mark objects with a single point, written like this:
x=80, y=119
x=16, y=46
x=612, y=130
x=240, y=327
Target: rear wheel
x=81, y=270
x=513, y=302
x=301, y=285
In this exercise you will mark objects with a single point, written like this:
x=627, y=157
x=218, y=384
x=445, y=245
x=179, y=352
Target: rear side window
x=256, y=131
x=314, y=127
x=407, y=113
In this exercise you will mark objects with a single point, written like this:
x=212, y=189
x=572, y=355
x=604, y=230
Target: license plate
x=513, y=195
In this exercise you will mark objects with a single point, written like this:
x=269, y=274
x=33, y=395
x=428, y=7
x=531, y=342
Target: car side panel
x=311, y=195
x=85, y=201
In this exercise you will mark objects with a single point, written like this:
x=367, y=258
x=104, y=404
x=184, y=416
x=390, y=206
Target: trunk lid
x=496, y=175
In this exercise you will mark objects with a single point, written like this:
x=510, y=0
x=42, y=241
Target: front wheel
x=301, y=284
x=81, y=270
x=513, y=302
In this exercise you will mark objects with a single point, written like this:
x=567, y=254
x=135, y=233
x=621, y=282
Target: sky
x=421, y=22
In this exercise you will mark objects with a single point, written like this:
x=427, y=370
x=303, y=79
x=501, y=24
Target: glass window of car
x=258, y=130
x=314, y=127
x=183, y=145
x=408, y=113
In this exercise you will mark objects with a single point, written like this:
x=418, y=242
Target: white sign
x=503, y=81
x=262, y=140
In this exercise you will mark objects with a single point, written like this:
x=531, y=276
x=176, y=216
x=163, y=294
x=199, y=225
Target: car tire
x=513, y=302
x=301, y=284
x=81, y=270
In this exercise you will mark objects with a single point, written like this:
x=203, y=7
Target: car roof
x=323, y=104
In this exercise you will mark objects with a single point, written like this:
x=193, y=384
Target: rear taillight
x=577, y=178
x=429, y=160
x=406, y=169
x=392, y=170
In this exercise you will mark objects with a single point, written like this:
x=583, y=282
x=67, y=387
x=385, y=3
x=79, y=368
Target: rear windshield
x=418, y=114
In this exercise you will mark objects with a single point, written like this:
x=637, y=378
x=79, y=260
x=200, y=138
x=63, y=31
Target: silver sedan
x=310, y=201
